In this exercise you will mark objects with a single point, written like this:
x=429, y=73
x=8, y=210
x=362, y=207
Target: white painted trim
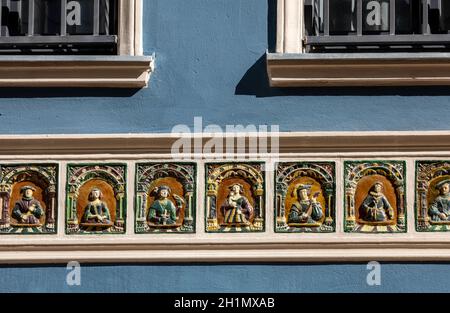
x=352, y=143
x=138, y=28
x=126, y=28
x=289, y=26
x=239, y=247
x=280, y=27
x=130, y=27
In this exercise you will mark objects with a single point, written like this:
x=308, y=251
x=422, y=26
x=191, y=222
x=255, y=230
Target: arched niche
x=180, y=177
x=393, y=173
x=111, y=174
x=217, y=174
x=320, y=175
x=42, y=177
x=429, y=174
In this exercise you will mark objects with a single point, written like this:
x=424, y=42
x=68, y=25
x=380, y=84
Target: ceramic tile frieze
x=375, y=196
x=165, y=197
x=28, y=198
x=235, y=197
x=432, y=196
x=305, y=197
x=96, y=198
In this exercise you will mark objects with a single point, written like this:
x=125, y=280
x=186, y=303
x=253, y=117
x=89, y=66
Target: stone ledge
x=168, y=254
x=76, y=71
x=289, y=142
x=358, y=69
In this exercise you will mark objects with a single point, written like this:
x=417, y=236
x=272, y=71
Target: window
x=383, y=25
x=72, y=43
x=361, y=42
x=59, y=26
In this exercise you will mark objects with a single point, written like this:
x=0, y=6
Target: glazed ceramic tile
x=305, y=197
x=28, y=198
x=433, y=195
x=235, y=197
x=165, y=197
x=96, y=198
x=375, y=196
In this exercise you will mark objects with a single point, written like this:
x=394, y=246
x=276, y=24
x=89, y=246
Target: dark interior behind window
x=377, y=25
x=58, y=26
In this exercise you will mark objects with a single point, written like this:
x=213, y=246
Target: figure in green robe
x=96, y=211
x=163, y=211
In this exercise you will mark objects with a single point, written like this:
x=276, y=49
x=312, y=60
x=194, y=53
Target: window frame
x=128, y=69
x=291, y=66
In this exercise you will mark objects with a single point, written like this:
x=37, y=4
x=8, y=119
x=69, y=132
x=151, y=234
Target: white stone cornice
x=289, y=142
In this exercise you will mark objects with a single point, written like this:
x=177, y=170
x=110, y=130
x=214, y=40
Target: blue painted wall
x=210, y=63
x=229, y=278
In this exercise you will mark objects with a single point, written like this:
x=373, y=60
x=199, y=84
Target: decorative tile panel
x=28, y=198
x=165, y=197
x=375, y=196
x=235, y=197
x=305, y=197
x=96, y=198
x=432, y=196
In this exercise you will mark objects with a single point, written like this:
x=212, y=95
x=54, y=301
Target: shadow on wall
x=66, y=92
x=255, y=81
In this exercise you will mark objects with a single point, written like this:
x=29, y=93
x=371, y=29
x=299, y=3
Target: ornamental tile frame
x=96, y=201
x=152, y=210
x=432, y=195
x=28, y=198
x=375, y=196
x=235, y=197
x=313, y=211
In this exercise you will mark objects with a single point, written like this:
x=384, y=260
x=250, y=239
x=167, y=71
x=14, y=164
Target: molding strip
x=77, y=71
x=293, y=142
x=304, y=70
x=127, y=27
